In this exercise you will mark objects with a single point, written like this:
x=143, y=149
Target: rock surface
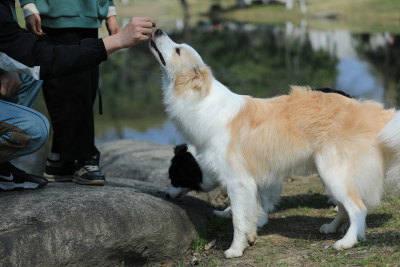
x=145, y=161
x=126, y=221
x=139, y=160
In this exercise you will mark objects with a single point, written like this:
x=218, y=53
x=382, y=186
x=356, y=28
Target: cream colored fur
x=249, y=145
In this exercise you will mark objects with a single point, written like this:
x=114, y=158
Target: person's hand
x=9, y=83
x=137, y=30
x=34, y=24
x=112, y=25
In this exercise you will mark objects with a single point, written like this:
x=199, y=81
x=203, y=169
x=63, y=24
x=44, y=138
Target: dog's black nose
x=158, y=32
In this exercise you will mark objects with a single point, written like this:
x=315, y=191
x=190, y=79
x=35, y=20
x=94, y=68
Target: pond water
x=261, y=61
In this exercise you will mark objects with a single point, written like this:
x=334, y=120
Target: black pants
x=69, y=100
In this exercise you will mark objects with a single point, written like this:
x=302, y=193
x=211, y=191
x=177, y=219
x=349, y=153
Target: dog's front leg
x=245, y=210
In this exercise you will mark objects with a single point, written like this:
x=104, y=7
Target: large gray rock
x=135, y=159
x=126, y=221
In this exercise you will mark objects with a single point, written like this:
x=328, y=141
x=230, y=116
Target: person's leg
x=88, y=171
x=70, y=101
x=22, y=129
x=22, y=132
x=27, y=94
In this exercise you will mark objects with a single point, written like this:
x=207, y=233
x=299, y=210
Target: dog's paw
x=251, y=238
x=327, y=229
x=233, y=253
x=344, y=244
x=262, y=220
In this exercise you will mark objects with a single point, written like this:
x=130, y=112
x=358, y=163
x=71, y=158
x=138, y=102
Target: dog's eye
x=178, y=51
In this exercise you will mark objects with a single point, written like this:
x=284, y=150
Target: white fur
x=351, y=165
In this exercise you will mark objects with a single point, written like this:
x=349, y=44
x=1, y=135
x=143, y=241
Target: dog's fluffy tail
x=389, y=136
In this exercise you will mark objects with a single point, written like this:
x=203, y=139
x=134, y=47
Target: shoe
x=88, y=172
x=59, y=171
x=13, y=178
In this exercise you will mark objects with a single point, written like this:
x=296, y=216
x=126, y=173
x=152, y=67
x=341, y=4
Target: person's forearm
x=112, y=43
x=137, y=30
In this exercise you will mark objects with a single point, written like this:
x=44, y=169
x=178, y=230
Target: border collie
x=249, y=144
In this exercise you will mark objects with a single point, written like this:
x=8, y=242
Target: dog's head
x=184, y=172
x=182, y=65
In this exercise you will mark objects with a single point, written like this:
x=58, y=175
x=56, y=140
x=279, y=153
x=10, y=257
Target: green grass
x=199, y=244
x=213, y=262
x=355, y=15
x=291, y=236
x=215, y=226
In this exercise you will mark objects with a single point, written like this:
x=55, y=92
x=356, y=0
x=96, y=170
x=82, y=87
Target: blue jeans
x=22, y=129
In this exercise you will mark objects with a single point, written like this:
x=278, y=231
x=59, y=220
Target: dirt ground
x=291, y=237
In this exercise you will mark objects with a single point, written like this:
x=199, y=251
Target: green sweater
x=71, y=13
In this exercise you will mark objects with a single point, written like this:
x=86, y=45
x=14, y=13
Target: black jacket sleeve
x=53, y=60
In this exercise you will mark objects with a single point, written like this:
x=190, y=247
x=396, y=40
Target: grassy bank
x=355, y=15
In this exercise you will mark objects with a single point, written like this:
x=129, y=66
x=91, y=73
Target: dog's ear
x=201, y=80
x=180, y=149
x=198, y=79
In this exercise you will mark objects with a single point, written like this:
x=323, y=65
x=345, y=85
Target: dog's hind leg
x=270, y=196
x=357, y=213
x=243, y=194
x=337, y=177
x=340, y=219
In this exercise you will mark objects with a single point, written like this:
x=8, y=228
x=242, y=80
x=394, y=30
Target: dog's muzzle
x=157, y=34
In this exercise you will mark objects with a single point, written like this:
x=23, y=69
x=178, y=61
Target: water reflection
x=356, y=77
x=250, y=59
x=164, y=134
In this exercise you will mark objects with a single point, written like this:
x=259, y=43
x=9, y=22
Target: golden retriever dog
x=249, y=145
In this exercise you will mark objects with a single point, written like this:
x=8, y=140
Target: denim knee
x=38, y=131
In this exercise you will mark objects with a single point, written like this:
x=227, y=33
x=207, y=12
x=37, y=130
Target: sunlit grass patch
x=291, y=236
x=199, y=244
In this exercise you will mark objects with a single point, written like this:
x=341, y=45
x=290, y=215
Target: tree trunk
x=186, y=17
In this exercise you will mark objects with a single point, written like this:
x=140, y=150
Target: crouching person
x=22, y=130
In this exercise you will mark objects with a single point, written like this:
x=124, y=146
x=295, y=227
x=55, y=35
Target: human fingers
x=135, y=31
x=146, y=31
x=30, y=22
x=12, y=87
x=140, y=28
x=146, y=24
x=33, y=24
x=145, y=20
x=148, y=19
x=12, y=83
x=38, y=26
x=4, y=79
x=3, y=88
x=8, y=87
